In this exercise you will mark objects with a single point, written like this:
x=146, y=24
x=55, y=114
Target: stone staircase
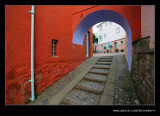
x=90, y=89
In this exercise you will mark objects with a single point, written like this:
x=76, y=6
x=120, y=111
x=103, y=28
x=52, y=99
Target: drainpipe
x=32, y=53
x=87, y=44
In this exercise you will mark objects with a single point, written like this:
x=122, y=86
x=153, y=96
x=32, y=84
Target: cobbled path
x=124, y=86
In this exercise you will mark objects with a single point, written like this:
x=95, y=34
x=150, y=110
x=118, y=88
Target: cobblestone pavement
x=124, y=86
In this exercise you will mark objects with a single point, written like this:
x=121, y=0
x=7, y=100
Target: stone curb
x=107, y=97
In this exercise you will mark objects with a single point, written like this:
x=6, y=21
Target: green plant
x=116, y=50
x=95, y=40
x=104, y=47
x=110, y=46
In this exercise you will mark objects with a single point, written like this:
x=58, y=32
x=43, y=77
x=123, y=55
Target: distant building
x=110, y=33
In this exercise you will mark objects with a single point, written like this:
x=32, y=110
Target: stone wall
x=143, y=68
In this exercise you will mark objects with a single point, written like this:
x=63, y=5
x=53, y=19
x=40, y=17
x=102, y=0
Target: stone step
x=104, y=63
x=99, y=71
x=104, y=60
x=91, y=85
x=93, y=79
x=88, y=89
x=107, y=57
x=83, y=97
x=96, y=76
x=101, y=66
x=68, y=102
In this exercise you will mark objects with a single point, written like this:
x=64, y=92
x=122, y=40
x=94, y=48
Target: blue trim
x=87, y=44
x=32, y=54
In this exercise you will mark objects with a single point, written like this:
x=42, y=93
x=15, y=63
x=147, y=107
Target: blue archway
x=100, y=16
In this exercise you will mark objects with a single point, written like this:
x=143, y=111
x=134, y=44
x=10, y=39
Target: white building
x=109, y=31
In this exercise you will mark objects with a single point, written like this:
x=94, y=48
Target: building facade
x=110, y=33
x=112, y=46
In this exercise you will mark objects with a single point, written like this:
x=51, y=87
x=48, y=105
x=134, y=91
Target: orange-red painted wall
x=51, y=22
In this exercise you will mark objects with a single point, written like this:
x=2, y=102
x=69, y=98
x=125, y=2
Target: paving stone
x=136, y=101
x=116, y=96
x=83, y=97
x=124, y=83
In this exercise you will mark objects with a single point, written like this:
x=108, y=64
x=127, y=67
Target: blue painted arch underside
x=100, y=16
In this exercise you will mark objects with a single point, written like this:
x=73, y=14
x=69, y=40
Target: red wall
x=51, y=22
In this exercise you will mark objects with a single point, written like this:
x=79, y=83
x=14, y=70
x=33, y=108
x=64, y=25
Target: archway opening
x=101, y=16
x=110, y=39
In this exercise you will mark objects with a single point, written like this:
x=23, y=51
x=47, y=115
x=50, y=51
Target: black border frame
x=79, y=109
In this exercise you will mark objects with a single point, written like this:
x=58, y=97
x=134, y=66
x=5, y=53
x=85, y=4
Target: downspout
x=87, y=44
x=32, y=53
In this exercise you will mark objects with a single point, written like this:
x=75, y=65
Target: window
x=110, y=23
x=100, y=37
x=54, y=47
x=122, y=50
x=115, y=44
x=108, y=43
x=121, y=41
x=105, y=23
x=98, y=40
x=104, y=35
x=100, y=27
x=117, y=30
x=101, y=46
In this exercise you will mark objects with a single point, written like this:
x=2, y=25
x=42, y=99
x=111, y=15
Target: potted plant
x=110, y=46
x=116, y=50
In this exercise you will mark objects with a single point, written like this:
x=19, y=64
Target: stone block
x=109, y=100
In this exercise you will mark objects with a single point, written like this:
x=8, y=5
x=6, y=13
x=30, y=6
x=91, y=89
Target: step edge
x=88, y=89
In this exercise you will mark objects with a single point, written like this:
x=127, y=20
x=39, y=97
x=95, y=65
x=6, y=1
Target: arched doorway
x=100, y=16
